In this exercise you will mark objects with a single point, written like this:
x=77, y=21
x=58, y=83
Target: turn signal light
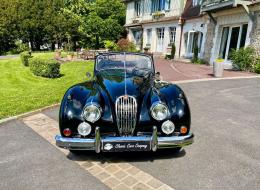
x=67, y=132
x=184, y=130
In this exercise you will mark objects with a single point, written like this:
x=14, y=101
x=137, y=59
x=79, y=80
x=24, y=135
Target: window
x=160, y=5
x=149, y=36
x=137, y=8
x=167, y=4
x=172, y=34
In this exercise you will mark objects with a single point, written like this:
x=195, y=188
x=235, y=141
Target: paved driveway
x=225, y=155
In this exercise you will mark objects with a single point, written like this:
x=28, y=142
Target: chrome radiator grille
x=126, y=110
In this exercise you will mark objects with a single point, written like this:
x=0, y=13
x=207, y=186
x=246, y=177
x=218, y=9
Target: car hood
x=116, y=84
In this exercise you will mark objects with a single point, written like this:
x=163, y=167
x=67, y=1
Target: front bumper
x=97, y=142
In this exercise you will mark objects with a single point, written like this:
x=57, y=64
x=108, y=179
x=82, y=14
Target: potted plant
x=70, y=56
x=218, y=67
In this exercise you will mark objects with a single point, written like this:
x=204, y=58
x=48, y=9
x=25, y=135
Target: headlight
x=84, y=129
x=159, y=111
x=168, y=127
x=92, y=113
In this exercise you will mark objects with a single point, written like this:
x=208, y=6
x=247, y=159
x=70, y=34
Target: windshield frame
x=121, y=53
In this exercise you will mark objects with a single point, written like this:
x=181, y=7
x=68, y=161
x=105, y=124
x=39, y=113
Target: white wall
x=166, y=26
x=199, y=25
x=228, y=20
x=176, y=8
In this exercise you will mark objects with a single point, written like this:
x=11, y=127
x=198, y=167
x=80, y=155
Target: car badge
x=125, y=97
x=108, y=146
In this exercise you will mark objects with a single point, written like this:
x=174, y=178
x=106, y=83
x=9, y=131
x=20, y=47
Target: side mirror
x=157, y=75
x=88, y=74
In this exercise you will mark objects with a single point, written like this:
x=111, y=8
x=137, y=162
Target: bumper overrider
x=128, y=143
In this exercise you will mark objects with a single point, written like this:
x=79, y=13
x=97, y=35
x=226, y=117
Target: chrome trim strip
x=97, y=140
x=154, y=139
x=89, y=144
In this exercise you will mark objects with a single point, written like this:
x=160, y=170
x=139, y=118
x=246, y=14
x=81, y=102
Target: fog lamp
x=84, y=129
x=168, y=127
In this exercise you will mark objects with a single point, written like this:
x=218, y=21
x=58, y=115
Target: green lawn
x=21, y=91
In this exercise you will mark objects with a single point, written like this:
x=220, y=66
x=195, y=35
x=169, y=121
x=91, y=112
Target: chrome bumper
x=96, y=143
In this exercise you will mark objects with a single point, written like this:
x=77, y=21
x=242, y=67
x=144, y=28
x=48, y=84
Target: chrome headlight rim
x=154, y=105
x=96, y=106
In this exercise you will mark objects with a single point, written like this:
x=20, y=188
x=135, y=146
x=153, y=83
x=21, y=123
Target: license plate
x=121, y=146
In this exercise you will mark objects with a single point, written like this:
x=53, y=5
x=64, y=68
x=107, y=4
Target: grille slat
x=126, y=110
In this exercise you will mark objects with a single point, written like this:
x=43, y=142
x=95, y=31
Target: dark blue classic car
x=125, y=107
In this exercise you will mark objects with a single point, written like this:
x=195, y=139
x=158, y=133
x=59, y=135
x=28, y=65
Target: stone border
x=5, y=120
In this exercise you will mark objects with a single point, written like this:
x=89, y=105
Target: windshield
x=123, y=61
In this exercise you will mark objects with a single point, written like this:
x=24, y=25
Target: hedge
x=49, y=68
x=25, y=56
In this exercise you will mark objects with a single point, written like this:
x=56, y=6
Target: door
x=160, y=40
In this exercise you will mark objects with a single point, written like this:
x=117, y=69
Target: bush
x=125, y=45
x=195, y=54
x=110, y=45
x=243, y=59
x=25, y=56
x=199, y=61
x=257, y=66
x=173, y=50
x=45, y=67
x=21, y=47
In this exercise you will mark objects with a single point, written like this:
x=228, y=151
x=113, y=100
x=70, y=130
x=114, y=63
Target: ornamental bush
x=25, y=56
x=48, y=68
x=125, y=45
x=173, y=50
x=243, y=59
x=257, y=66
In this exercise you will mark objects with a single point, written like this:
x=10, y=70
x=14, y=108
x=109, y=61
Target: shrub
x=257, y=66
x=173, y=50
x=25, y=56
x=45, y=67
x=110, y=45
x=195, y=54
x=125, y=45
x=243, y=59
x=21, y=47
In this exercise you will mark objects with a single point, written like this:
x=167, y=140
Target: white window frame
x=229, y=38
x=172, y=34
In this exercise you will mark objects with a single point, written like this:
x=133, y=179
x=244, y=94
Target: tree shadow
x=119, y=157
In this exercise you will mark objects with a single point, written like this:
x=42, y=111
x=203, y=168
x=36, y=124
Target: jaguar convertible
x=124, y=107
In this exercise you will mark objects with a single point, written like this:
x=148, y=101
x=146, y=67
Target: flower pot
x=218, y=67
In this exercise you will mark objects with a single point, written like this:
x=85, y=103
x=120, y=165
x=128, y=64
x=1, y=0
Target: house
x=233, y=24
x=213, y=26
x=154, y=24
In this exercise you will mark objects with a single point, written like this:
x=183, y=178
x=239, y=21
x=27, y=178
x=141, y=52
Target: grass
x=21, y=91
